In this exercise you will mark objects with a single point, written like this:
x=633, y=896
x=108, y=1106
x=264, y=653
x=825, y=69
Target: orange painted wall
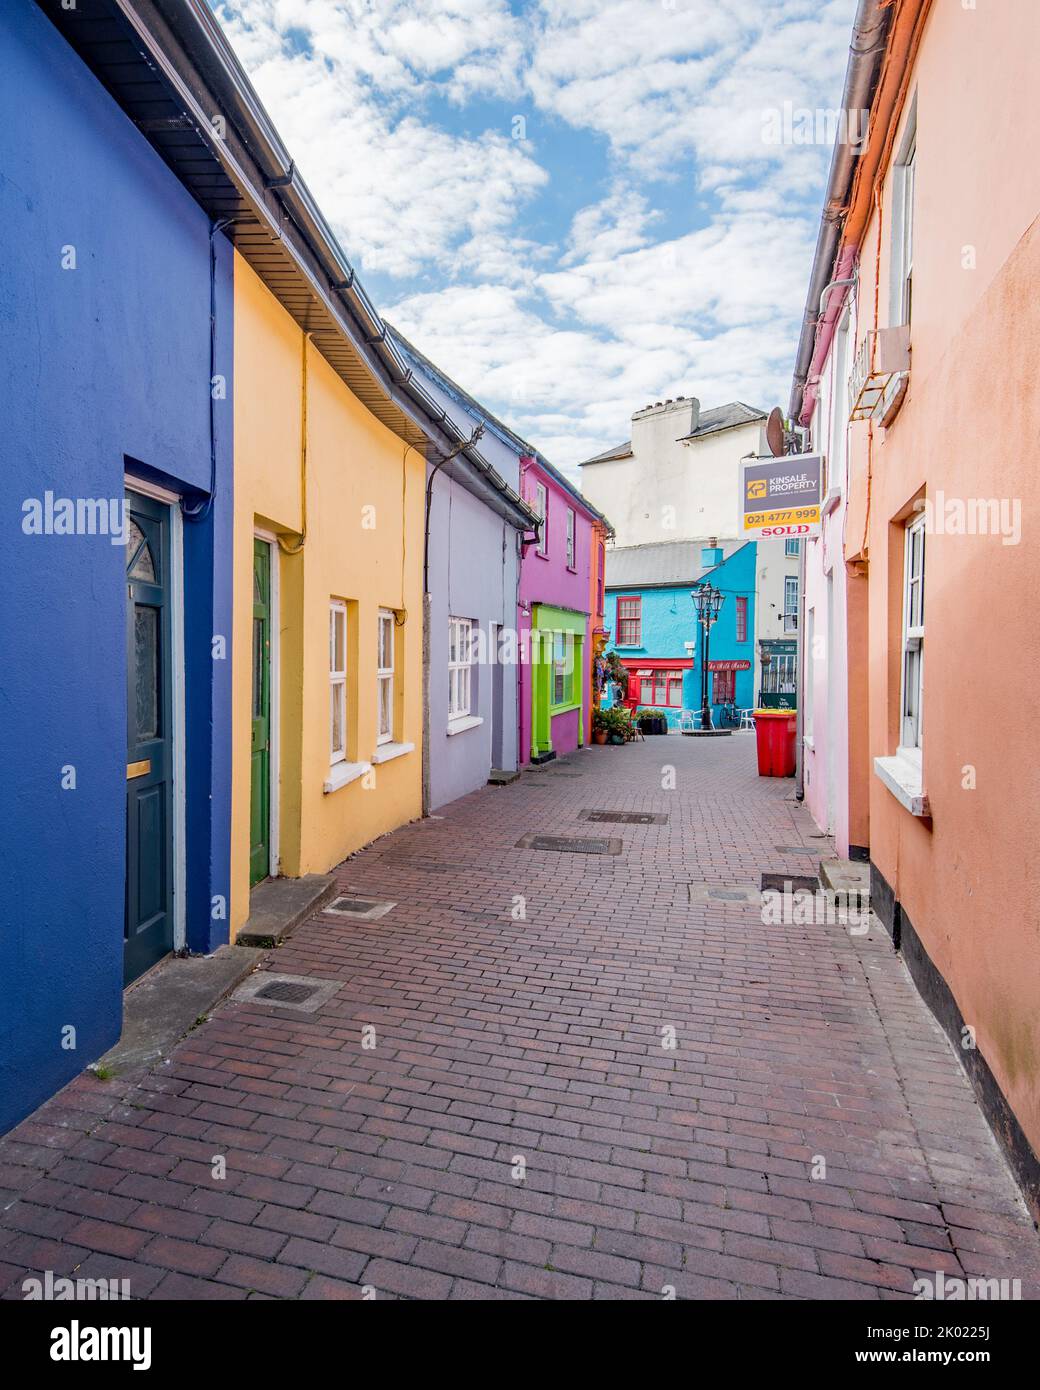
x=969, y=881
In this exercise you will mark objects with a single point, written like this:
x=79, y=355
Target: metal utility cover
x=297, y=992
x=704, y=894
x=360, y=909
x=795, y=849
x=627, y=817
x=282, y=992
x=570, y=844
x=778, y=883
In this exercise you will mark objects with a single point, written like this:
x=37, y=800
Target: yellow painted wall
x=354, y=463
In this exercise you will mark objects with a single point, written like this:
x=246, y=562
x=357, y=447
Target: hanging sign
x=781, y=496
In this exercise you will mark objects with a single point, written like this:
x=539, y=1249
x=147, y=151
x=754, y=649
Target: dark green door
x=148, y=926
x=260, y=786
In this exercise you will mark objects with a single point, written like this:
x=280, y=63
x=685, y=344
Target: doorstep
x=842, y=876
x=501, y=777
x=164, y=1006
x=278, y=905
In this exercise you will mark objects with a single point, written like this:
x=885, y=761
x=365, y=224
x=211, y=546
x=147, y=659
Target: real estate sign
x=781, y=496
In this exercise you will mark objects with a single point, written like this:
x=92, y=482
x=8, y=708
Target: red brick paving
x=498, y=1040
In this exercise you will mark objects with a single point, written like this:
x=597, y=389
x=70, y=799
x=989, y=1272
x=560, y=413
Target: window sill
x=464, y=722
x=386, y=752
x=340, y=774
x=554, y=710
x=903, y=779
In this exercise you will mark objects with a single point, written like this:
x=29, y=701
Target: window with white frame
x=563, y=668
x=792, y=547
x=460, y=667
x=541, y=506
x=630, y=621
x=660, y=688
x=385, y=676
x=905, y=178
x=337, y=681
x=791, y=603
x=571, y=547
x=913, y=640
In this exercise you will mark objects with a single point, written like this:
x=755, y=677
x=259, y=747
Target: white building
x=678, y=478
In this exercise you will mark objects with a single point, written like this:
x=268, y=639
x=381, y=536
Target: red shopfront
x=656, y=683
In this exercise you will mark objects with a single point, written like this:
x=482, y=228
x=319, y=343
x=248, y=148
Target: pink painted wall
x=969, y=878
x=546, y=579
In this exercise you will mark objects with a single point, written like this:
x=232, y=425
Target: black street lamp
x=707, y=600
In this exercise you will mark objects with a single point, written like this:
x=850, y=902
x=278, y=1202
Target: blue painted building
x=654, y=628
x=115, y=678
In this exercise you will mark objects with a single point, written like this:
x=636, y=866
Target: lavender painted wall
x=474, y=562
x=473, y=574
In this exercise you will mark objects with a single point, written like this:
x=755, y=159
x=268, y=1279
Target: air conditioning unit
x=880, y=374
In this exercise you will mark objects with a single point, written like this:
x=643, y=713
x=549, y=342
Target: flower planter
x=599, y=735
x=653, y=724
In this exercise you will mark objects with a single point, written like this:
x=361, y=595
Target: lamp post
x=707, y=600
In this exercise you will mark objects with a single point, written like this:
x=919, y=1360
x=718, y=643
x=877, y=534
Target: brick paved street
x=499, y=1039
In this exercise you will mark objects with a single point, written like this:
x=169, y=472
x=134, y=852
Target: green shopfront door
x=260, y=776
x=148, y=923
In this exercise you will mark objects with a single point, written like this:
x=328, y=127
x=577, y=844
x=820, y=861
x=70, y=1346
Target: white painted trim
x=180, y=877
x=153, y=490
x=464, y=722
x=388, y=751
x=341, y=774
x=274, y=730
x=903, y=780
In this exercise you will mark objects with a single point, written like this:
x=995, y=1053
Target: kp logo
x=756, y=488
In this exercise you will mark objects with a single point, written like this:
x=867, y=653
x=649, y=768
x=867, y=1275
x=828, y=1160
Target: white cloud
x=345, y=84
x=685, y=274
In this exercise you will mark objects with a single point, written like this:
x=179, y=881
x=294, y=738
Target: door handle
x=139, y=769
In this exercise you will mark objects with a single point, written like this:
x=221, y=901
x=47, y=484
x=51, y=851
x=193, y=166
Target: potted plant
x=653, y=721
x=618, y=724
x=600, y=727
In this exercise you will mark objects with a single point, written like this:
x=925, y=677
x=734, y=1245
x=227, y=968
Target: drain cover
x=297, y=992
x=361, y=909
x=795, y=849
x=727, y=895
x=626, y=817
x=572, y=844
x=284, y=993
x=795, y=883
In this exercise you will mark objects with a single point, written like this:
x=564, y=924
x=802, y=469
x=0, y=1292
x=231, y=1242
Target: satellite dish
x=775, y=435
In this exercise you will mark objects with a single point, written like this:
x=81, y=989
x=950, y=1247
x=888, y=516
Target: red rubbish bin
x=775, y=731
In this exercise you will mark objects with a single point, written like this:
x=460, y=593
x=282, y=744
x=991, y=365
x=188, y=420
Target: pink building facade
x=554, y=623
x=930, y=272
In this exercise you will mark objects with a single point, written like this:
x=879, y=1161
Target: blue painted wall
x=106, y=369
x=669, y=621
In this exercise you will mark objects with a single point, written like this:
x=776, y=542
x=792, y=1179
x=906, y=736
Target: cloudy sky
x=575, y=207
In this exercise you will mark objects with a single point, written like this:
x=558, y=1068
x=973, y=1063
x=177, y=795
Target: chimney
x=658, y=426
